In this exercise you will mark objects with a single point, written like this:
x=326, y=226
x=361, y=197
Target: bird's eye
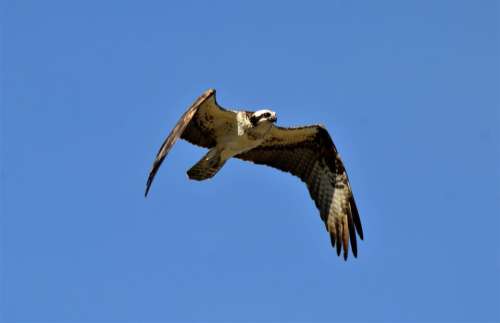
x=266, y=115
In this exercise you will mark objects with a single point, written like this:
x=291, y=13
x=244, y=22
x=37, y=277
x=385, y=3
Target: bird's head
x=261, y=116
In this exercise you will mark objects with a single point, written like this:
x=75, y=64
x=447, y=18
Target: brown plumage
x=309, y=153
x=192, y=129
x=306, y=152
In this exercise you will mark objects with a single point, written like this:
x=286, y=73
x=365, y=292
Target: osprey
x=306, y=152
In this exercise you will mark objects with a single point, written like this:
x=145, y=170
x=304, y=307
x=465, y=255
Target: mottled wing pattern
x=309, y=153
x=197, y=126
x=209, y=118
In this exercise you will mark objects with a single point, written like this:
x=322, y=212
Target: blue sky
x=409, y=90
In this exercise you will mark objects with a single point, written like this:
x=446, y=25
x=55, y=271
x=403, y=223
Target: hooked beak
x=273, y=118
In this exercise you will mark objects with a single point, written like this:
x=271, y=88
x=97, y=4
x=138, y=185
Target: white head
x=261, y=116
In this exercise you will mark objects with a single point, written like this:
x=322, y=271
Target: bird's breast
x=233, y=144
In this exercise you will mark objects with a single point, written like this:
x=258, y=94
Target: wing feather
x=310, y=154
x=352, y=233
x=197, y=125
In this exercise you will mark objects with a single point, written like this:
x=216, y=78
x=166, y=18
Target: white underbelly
x=233, y=145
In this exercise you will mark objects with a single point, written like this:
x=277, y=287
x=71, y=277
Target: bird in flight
x=307, y=152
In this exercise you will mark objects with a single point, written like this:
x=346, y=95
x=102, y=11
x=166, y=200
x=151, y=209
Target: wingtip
x=361, y=234
x=148, y=186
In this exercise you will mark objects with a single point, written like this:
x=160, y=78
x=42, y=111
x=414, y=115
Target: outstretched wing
x=197, y=125
x=309, y=153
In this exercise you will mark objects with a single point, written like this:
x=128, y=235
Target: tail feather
x=206, y=167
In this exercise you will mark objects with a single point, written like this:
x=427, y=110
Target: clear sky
x=409, y=90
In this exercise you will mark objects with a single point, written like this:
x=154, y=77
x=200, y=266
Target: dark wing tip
x=355, y=217
x=148, y=186
x=354, y=247
x=332, y=240
x=174, y=136
x=352, y=233
x=339, y=244
x=151, y=176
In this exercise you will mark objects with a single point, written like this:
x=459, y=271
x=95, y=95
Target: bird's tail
x=206, y=167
